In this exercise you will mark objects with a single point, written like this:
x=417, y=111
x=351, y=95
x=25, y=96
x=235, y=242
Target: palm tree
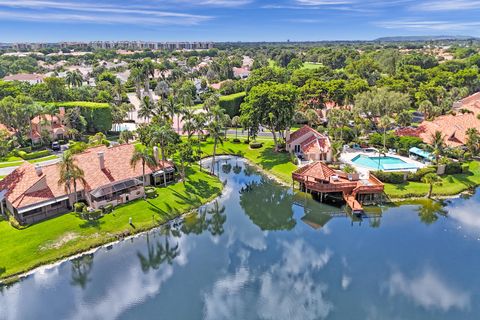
x=473, y=140
x=146, y=158
x=74, y=78
x=215, y=130
x=437, y=144
x=162, y=135
x=137, y=76
x=236, y=123
x=162, y=89
x=431, y=179
x=147, y=108
x=384, y=124
x=70, y=173
x=126, y=136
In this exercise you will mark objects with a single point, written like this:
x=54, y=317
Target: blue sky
x=233, y=20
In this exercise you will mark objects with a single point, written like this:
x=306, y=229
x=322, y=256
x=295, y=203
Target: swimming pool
x=383, y=163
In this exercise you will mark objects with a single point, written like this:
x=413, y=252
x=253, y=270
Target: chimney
x=38, y=170
x=101, y=159
x=155, y=153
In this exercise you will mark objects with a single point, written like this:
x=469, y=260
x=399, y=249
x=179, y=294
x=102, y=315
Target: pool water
x=383, y=163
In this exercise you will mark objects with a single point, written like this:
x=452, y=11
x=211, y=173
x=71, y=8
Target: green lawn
x=452, y=185
x=278, y=164
x=52, y=157
x=11, y=164
x=22, y=250
x=311, y=65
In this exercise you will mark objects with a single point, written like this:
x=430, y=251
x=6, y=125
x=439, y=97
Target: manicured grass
x=52, y=157
x=11, y=164
x=311, y=65
x=451, y=185
x=22, y=250
x=276, y=163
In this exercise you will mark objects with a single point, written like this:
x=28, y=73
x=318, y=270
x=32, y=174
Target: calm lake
x=260, y=252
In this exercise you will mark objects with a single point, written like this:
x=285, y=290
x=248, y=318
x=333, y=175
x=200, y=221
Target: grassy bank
x=276, y=163
x=51, y=240
x=451, y=185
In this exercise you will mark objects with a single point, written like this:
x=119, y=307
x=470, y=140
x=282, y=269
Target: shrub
x=151, y=193
x=107, y=209
x=256, y=145
x=33, y=155
x=98, y=115
x=453, y=168
x=231, y=103
x=93, y=215
x=79, y=207
x=236, y=140
x=417, y=176
x=389, y=177
x=465, y=168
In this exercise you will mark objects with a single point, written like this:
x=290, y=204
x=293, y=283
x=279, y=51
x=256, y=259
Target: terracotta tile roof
x=24, y=77
x=318, y=170
x=454, y=127
x=24, y=187
x=323, y=143
x=45, y=117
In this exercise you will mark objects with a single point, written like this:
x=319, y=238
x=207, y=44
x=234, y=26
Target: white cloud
x=346, y=281
x=429, y=291
x=88, y=12
x=467, y=216
x=428, y=25
x=449, y=5
x=286, y=290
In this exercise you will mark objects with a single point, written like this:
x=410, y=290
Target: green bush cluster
x=256, y=145
x=151, y=192
x=402, y=144
x=93, y=215
x=107, y=209
x=97, y=115
x=236, y=140
x=231, y=103
x=33, y=155
x=417, y=176
x=389, y=177
x=79, y=207
x=453, y=168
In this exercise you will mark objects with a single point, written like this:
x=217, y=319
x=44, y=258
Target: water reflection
x=268, y=205
x=223, y=261
x=81, y=268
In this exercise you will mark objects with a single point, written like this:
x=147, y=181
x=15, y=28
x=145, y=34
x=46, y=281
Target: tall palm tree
x=236, y=123
x=147, y=108
x=137, y=76
x=431, y=179
x=70, y=174
x=215, y=129
x=162, y=135
x=144, y=156
x=384, y=123
x=74, y=78
x=437, y=144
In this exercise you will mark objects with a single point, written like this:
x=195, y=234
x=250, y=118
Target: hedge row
x=33, y=155
x=98, y=115
x=231, y=103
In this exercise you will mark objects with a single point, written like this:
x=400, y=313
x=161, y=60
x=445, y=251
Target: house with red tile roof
x=310, y=144
x=32, y=193
x=454, y=126
x=32, y=78
x=53, y=125
x=320, y=180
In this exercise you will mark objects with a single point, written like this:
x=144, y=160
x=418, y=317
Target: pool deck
x=347, y=157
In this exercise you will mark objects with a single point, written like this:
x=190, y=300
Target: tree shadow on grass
x=169, y=213
x=97, y=224
x=270, y=158
x=2, y=270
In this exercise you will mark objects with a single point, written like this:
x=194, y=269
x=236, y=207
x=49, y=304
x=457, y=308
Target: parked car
x=55, y=146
